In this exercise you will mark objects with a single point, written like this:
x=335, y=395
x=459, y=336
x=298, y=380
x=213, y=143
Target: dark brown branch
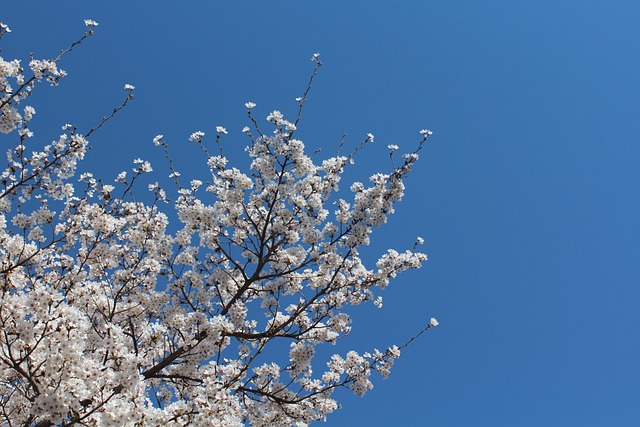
x=153, y=371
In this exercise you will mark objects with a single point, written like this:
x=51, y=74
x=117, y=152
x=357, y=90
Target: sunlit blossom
x=196, y=136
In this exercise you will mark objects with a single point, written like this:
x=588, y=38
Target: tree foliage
x=110, y=316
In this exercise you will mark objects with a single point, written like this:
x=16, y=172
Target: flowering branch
x=110, y=315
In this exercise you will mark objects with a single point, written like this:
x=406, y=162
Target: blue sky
x=527, y=194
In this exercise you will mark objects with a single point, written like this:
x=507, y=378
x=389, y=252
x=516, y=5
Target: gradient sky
x=527, y=194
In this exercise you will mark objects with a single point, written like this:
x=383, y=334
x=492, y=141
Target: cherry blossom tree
x=109, y=316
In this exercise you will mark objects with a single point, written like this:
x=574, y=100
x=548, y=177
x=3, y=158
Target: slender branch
x=110, y=116
x=33, y=78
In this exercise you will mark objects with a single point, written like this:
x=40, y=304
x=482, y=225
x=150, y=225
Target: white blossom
x=196, y=136
x=275, y=116
x=29, y=111
x=122, y=177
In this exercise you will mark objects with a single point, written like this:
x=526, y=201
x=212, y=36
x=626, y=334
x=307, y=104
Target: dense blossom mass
x=109, y=317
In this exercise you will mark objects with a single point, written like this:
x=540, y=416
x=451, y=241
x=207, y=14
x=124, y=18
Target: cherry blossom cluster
x=112, y=316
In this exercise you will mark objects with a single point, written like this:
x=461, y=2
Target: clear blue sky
x=527, y=195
